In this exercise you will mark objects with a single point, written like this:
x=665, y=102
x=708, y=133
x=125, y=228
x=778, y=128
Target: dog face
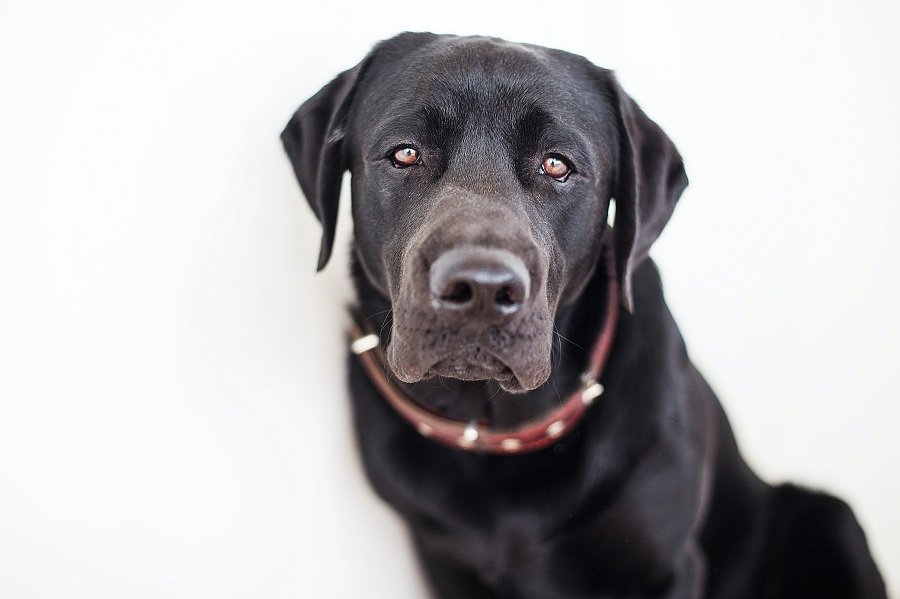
x=482, y=173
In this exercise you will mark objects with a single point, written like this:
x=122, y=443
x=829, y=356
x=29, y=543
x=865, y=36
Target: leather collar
x=480, y=437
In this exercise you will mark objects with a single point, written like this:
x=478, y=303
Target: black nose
x=483, y=284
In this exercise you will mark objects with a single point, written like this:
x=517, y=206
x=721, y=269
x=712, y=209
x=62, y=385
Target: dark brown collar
x=479, y=437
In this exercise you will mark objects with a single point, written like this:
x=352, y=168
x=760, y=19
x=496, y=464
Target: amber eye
x=555, y=166
x=405, y=156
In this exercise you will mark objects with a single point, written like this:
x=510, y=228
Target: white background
x=173, y=416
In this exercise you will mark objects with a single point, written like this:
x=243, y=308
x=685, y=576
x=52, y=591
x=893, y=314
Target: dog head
x=482, y=174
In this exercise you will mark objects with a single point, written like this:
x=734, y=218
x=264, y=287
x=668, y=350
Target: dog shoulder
x=817, y=549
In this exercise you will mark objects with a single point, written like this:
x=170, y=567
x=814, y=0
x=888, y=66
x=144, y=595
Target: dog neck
x=577, y=327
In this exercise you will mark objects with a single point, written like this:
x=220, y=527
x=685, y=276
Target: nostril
x=504, y=297
x=458, y=293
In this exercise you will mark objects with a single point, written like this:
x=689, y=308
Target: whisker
x=380, y=333
x=371, y=316
x=558, y=396
x=561, y=336
x=387, y=319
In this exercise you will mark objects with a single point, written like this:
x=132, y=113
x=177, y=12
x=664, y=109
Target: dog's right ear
x=650, y=178
x=313, y=140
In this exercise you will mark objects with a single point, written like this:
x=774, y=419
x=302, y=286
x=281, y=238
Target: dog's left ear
x=649, y=180
x=313, y=140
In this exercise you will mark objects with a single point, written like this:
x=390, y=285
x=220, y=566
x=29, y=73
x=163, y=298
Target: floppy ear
x=649, y=180
x=313, y=140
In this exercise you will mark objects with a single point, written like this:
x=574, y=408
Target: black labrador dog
x=505, y=299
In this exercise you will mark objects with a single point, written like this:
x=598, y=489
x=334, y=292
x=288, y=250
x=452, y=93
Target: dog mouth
x=478, y=367
x=468, y=360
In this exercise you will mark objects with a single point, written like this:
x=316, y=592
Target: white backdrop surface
x=173, y=415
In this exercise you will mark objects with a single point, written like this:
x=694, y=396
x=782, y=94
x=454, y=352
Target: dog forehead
x=444, y=81
x=448, y=57
x=450, y=71
x=464, y=56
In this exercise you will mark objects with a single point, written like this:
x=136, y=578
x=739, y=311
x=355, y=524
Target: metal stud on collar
x=469, y=436
x=556, y=429
x=591, y=391
x=511, y=445
x=365, y=343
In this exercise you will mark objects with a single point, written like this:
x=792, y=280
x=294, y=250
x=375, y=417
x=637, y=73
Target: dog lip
x=481, y=363
x=404, y=369
x=467, y=370
x=458, y=367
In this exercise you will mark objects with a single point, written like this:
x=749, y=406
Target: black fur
x=648, y=496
